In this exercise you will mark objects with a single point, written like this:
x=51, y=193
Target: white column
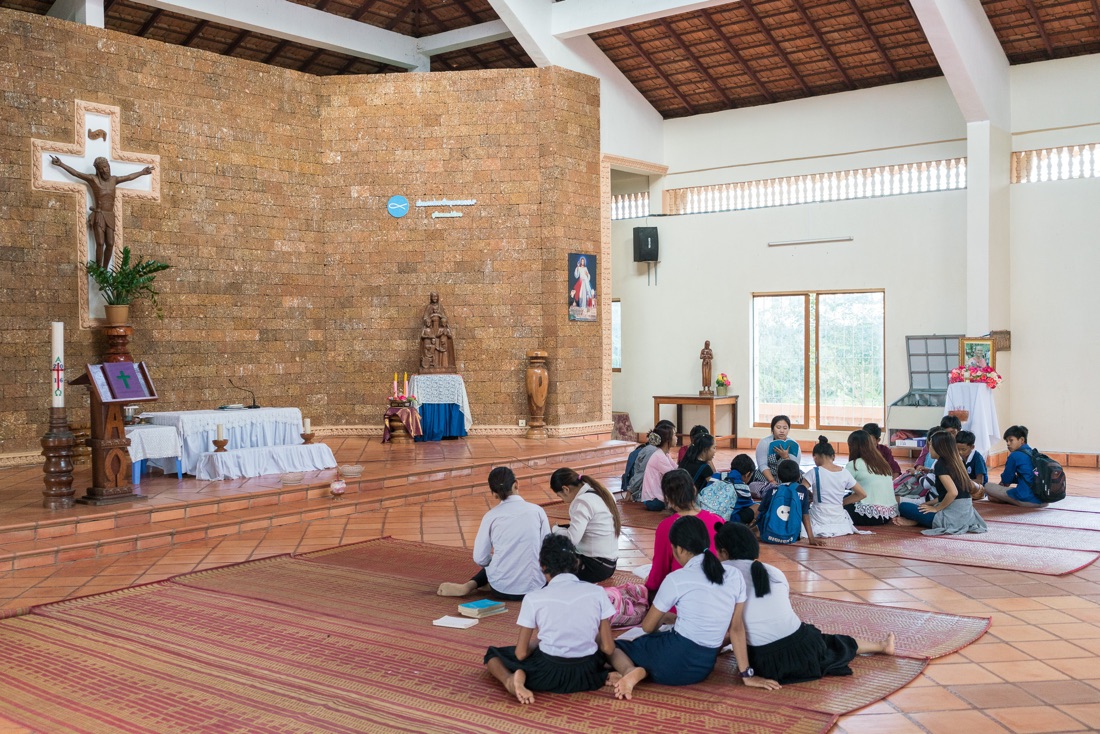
x=988, y=306
x=88, y=12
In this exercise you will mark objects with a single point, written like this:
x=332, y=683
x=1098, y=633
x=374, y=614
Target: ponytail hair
x=700, y=445
x=739, y=544
x=690, y=533
x=562, y=478
x=824, y=448
x=608, y=499
x=502, y=481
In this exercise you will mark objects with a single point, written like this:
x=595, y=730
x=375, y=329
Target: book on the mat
x=456, y=622
x=481, y=608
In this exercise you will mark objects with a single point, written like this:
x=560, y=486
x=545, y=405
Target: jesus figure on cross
x=102, y=216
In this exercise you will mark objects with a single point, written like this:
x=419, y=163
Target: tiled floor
x=1037, y=670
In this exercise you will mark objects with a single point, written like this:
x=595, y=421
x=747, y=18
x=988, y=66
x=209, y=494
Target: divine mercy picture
x=582, y=287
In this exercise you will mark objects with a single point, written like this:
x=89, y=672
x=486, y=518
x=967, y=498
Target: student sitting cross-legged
x=1019, y=470
x=780, y=645
x=974, y=463
x=833, y=488
x=573, y=633
x=949, y=509
x=507, y=544
x=594, y=523
x=709, y=606
x=679, y=494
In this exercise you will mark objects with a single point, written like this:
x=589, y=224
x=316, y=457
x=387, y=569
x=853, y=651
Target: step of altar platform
x=135, y=526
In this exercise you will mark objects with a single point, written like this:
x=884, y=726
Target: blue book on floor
x=481, y=608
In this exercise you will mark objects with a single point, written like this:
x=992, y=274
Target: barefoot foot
x=889, y=644
x=449, y=589
x=612, y=678
x=523, y=694
x=624, y=688
x=903, y=522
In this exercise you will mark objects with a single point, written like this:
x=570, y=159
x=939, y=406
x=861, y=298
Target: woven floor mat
x=1010, y=533
x=898, y=543
x=174, y=658
x=919, y=633
x=308, y=587
x=1078, y=504
x=1053, y=516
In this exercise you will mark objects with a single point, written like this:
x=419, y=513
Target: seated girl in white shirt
x=574, y=634
x=593, y=526
x=507, y=544
x=780, y=645
x=709, y=606
x=833, y=488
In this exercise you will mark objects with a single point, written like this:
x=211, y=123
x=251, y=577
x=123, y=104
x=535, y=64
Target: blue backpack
x=780, y=520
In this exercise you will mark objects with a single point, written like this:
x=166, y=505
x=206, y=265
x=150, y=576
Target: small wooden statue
x=437, y=346
x=708, y=359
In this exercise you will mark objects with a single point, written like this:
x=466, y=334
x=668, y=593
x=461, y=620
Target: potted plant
x=723, y=383
x=125, y=282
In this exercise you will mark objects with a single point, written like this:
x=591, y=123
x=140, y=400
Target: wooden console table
x=713, y=401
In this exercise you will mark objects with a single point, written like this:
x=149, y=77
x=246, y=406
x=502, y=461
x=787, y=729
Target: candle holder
x=307, y=437
x=57, y=447
x=220, y=444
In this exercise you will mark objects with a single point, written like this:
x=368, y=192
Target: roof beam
x=474, y=35
x=970, y=56
x=821, y=42
x=572, y=18
x=874, y=39
x=695, y=60
x=775, y=47
x=660, y=72
x=88, y=12
x=1040, y=27
x=738, y=57
x=297, y=23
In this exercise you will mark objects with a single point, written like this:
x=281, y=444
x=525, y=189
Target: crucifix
x=103, y=175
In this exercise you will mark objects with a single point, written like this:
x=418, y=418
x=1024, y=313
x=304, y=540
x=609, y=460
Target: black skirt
x=594, y=570
x=553, y=674
x=806, y=654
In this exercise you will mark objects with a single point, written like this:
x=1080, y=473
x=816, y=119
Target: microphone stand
x=247, y=391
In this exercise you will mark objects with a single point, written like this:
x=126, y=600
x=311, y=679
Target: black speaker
x=645, y=244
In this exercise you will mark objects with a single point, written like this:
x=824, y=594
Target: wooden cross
x=98, y=134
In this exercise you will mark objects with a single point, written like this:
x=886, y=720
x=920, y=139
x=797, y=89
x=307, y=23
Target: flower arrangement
x=976, y=374
x=723, y=380
x=402, y=399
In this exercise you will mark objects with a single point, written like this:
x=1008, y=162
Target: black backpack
x=1048, y=480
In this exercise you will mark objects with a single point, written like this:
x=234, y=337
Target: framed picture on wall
x=582, y=287
x=977, y=353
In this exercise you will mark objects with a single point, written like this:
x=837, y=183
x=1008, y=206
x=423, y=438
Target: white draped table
x=257, y=462
x=245, y=429
x=448, y=392
x=977, y=399
x=154, y=442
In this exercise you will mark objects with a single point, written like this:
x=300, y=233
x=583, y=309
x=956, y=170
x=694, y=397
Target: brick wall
x=288, y=272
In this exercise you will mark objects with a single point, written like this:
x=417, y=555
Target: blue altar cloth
x=441, y=420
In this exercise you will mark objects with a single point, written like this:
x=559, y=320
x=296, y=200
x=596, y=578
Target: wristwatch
x=748, y=673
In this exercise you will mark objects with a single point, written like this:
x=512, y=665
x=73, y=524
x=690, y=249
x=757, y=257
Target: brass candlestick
x=307, y=437
x=220, y=444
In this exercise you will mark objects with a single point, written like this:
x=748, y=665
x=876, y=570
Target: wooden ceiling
x=742, y=54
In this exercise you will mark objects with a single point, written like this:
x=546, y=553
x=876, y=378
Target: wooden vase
x=538, y=386
x=398, y=433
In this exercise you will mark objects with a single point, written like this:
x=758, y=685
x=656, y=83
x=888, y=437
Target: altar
x=977, y=399
x=444, y=406
x=245, y=429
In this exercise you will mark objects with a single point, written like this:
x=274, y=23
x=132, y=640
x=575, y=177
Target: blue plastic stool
x=139, y=468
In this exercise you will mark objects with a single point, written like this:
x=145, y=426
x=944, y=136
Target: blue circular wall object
x=397, y=206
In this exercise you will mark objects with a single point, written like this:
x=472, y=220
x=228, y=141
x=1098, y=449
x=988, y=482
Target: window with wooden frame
x=818, y=357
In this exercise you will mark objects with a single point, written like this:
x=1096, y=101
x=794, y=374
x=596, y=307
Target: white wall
x=1055, y=301
x=712, y=263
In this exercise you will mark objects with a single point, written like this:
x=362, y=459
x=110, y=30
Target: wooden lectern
x=111, y=386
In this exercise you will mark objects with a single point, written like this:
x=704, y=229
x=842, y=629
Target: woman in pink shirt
x=679, y=493
x=659, y=464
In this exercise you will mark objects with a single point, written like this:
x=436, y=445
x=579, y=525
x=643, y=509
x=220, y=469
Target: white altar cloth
x=442, y=390
x=244, y=428
x=256, y=462
x=977, y=398
x=153, y=442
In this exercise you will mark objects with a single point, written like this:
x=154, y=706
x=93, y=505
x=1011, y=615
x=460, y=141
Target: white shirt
x=567, y=613
x=591, y=526
x=834, y=485
x=508, y=543
x=703, y=610
x=770, y=617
